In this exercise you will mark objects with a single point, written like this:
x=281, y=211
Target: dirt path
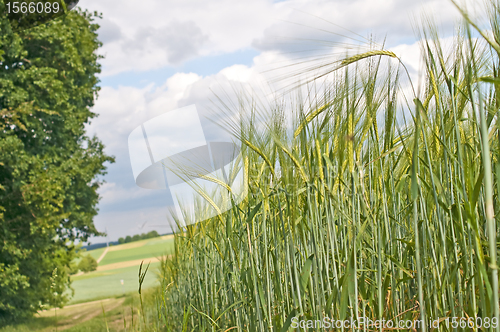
x=78, y=313
x=120, y=265
x=102, y=255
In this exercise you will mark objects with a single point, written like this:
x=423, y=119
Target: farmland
x=114, y=314
x=120, y=262
x=99, y=296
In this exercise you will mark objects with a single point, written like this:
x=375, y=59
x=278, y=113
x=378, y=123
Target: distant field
x=121, y=262
x=95, y=253
x=143, y=249
x=99, y=285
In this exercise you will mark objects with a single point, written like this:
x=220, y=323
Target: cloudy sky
x=160, y=55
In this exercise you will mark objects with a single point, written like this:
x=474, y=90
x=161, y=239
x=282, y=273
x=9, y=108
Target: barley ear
x=365, y=55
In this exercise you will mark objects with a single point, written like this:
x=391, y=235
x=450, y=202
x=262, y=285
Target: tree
x=73, y=268
x=153, y=234
x=87, y=264
x=49, y=168
x=128, y=239
x=121, y=240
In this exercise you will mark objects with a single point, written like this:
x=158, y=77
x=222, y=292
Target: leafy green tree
x=73, y=268
x=136, y=237
x=152, y=234
x=87, y=264
x=128, y=239
x=121, y=240
x=49, y=168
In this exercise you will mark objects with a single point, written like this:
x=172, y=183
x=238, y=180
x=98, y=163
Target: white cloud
x=318, y=25
x=122, y=109
x=123, y=223
x=146, y=35
x=178, y=41
x=158, y=33
x=109, y=31
x=113, y=193
x=238, y=73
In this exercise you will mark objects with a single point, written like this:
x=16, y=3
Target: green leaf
x=253, y=212
x=306, y=273
x=330, y=299
x=288, y=321
x=489, y=79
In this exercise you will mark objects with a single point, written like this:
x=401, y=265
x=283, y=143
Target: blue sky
x=161, y=55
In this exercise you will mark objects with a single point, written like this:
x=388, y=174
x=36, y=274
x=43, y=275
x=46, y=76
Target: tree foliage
x=87, y=264
x=138, y=237
x=49, y=168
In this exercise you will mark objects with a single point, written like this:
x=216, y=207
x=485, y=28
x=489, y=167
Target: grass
x=111, y=315
x=96, y=253
x=108, y=284
x=148, y=249
x=372, y=203
x=105, y=282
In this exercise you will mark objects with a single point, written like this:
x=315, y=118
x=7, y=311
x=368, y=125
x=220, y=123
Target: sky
x=161, y=55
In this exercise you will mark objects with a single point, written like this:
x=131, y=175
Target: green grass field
x=109, y=315
x=148, y=249
x=96, y=253
x=102, y=290
x=105, y=284
x=106, y=281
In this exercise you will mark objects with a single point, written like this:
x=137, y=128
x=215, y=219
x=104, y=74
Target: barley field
x=364, y=200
